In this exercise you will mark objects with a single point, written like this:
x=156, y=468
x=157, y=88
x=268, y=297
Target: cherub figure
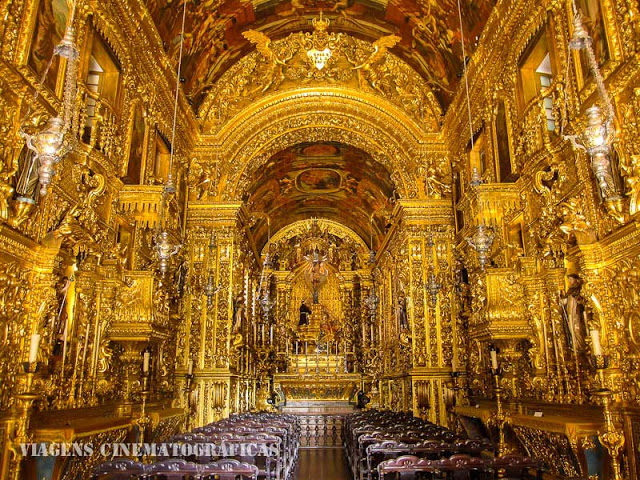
x=368, y=72
x=275, y=75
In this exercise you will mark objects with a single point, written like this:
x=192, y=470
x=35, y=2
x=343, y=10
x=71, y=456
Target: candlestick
x=33, y=350
x=145, y=362
x=595, y=342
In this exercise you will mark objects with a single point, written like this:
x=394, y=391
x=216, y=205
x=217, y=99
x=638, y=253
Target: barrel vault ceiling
x=429, y=29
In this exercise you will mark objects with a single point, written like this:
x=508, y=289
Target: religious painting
x=210, y=30
x=502, y=145
x=430, y=31
x=136, y=149
x=433, y=30
x=162, y=159
x=124, y=239
x=327, y=180
x=318, y=180
x=51, y=19
x=593, y=20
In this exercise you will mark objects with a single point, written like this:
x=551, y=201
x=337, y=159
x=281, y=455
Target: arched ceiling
x=429, y=31
x=326, y=180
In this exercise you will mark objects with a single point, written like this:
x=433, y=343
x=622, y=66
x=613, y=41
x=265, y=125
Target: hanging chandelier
x=264, y=290
x=481, y=242
x=597, y=137
x=52, y=143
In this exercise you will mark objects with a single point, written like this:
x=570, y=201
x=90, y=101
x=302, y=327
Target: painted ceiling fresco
x=429, y=29
x=322, y=180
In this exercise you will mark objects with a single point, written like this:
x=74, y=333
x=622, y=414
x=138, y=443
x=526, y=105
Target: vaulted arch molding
x=391, y=137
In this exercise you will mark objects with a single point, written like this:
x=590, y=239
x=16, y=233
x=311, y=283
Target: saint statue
x=574, y=314
x=403, y=320
x=305, y=311
x=238, y=313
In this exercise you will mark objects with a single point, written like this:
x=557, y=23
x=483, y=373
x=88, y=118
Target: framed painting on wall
x=51, y=18
x=593, y=20
x=503, y=148
x=136, y=147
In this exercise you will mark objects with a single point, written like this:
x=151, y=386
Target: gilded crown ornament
x=320, y=44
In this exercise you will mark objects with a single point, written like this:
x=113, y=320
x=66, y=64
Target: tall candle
x=595, y=342
x=190, y=368
x=494, y=359
x=271, y=334
x=33, y=350
x=145, y=362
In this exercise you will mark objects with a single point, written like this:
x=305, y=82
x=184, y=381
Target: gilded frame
x=495, y=140
x=25, y=44
x=133, y=109
x=585, y=86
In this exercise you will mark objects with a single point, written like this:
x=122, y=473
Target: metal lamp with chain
x=165, y=248
x=50, y=145
x=597, y=137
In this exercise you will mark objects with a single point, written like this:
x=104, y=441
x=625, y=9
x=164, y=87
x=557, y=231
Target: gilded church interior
x=415, y=220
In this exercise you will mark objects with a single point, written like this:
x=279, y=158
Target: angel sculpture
x=274, y=75
x=204, y=178
x=368, y=71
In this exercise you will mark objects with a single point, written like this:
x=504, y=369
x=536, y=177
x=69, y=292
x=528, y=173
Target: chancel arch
x=321, y=114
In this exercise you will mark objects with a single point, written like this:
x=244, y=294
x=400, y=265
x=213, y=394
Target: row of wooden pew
x=252, y=445
x=383, y=445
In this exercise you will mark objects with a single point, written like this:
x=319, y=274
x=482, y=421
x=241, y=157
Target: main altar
x=319, y=375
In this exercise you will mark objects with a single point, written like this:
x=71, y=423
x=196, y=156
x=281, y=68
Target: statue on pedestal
x=305, y=312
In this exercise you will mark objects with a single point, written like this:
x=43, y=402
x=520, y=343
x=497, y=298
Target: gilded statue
x=433, y=186
x=203, y=177
x=371, y=71
x=274, y=74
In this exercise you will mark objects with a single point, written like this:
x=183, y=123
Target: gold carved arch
x=324, y=114
x=302, y=226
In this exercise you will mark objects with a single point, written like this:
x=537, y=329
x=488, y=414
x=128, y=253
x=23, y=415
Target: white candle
x=494, y=359
x=271, y=335
x=33, y=350
x=305, y=348
x=190, y=368
x=595, y=342
x=145, y=362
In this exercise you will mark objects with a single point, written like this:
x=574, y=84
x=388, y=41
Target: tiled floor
x=322, y=464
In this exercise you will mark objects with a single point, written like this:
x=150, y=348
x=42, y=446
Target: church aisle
x=322, y=464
